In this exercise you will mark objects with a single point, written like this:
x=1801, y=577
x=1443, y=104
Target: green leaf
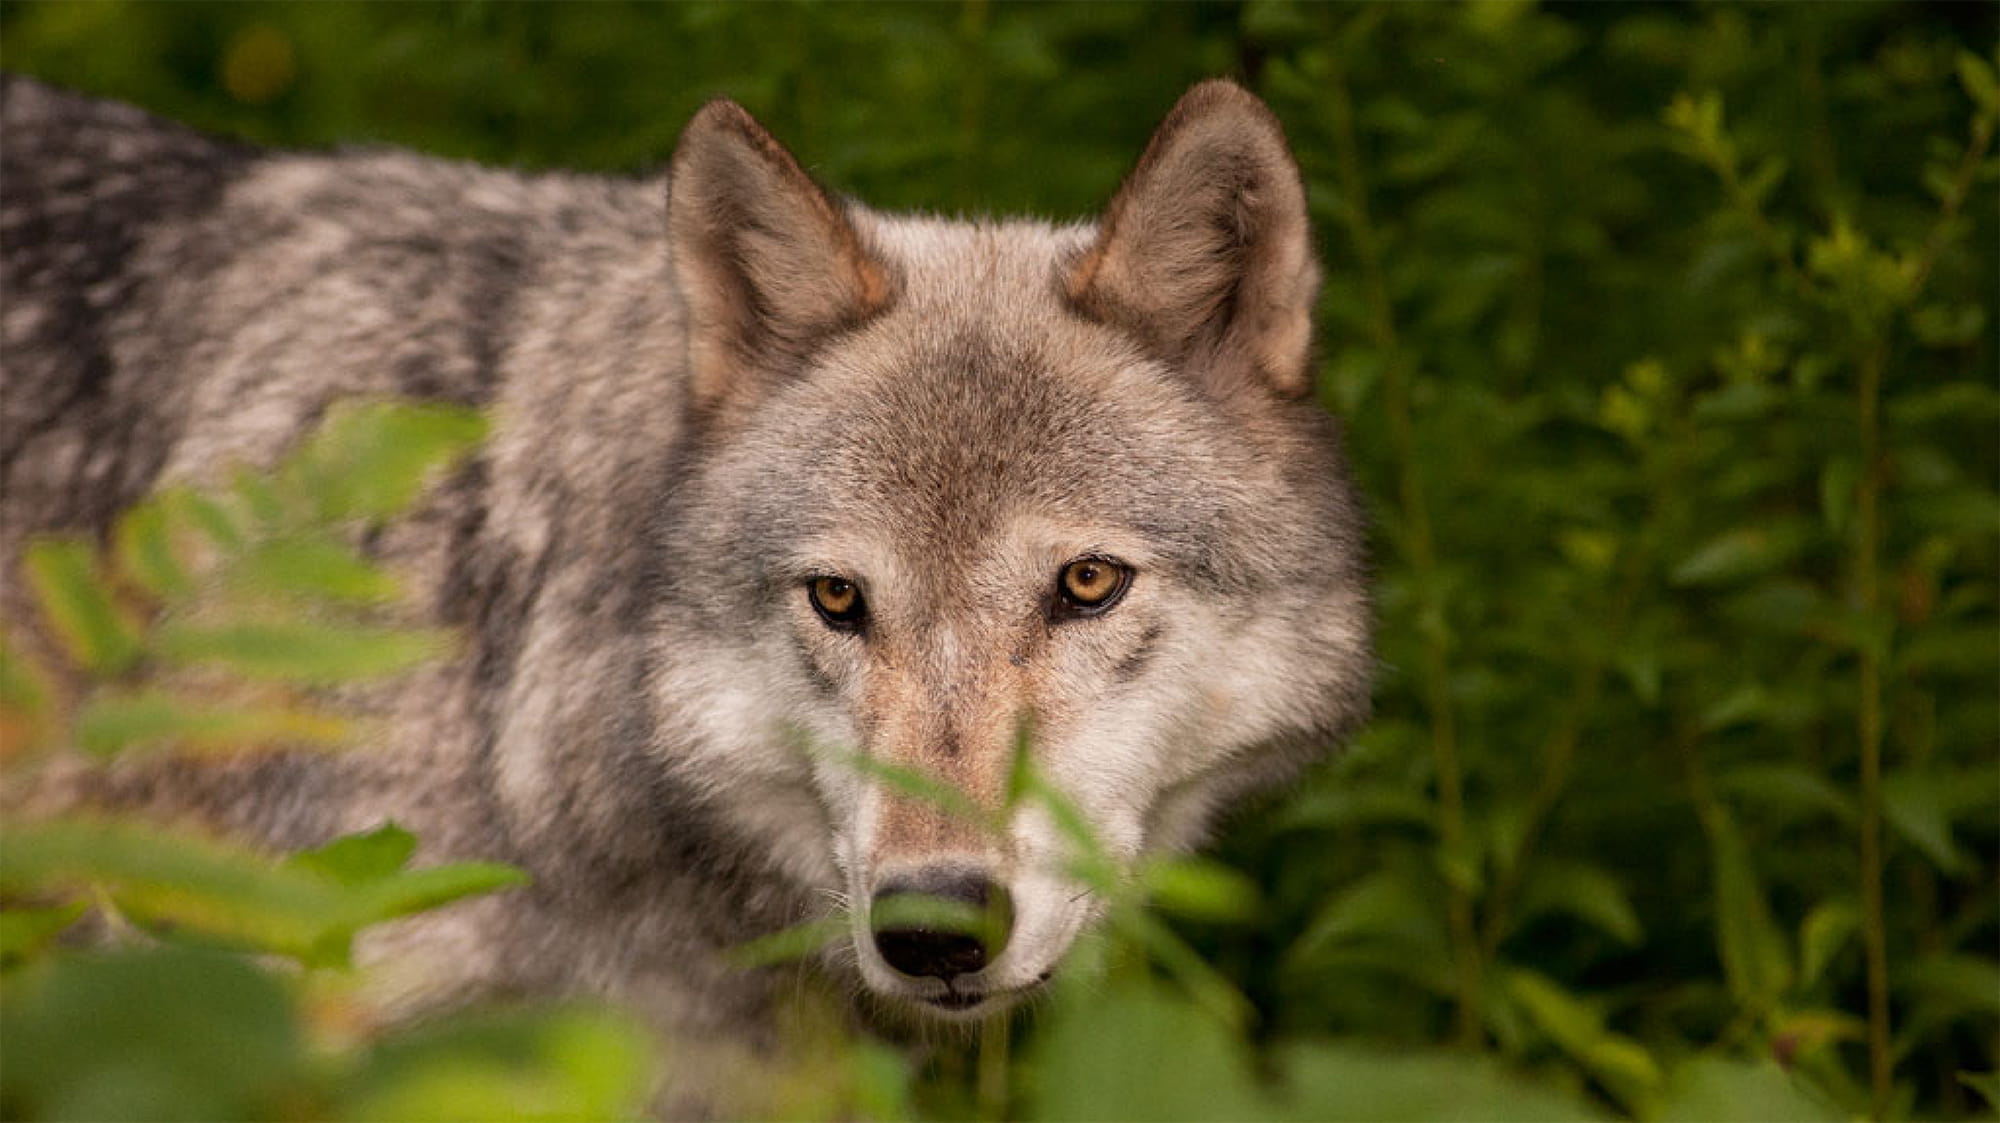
x=357, y=859
x=1619, y=1063
x=1987, y=1084
x=1135, y=1052
x=145, y=550
x=800, y=941
x=1738, y=554
x=316, y=567
x=305, y=909
x=1202, y=890
x=116, y=722
x=371, y=459
x=155, y=875
x=301, y=651
x=1359, y=805
x=370, y=867
x=1919, y=805
x=158, y=1034
x=77, y=601
x=1976, y=75
x=1341, y=1083
x=1589, y=893
x=1714, y=1090
x=550, y=1066
x=1790, y=790
x=25, y=932
x=1754, y=956
x=421, y=890
x=1387, y=905
x=192, y=509
x=1827, y=929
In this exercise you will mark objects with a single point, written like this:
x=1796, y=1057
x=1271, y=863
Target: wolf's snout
x=941, y=923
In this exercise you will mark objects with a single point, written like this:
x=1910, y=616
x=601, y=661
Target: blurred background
x=1665, y=340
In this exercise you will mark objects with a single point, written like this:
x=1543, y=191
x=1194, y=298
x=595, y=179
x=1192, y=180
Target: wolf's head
x=948, y=481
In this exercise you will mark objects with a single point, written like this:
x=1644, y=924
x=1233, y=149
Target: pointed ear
x=767, y=264
x=1206, y=252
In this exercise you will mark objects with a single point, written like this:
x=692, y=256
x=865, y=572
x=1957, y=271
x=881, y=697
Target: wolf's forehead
x=994, y=269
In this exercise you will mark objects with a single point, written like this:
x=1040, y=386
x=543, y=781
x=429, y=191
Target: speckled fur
x=704, y=397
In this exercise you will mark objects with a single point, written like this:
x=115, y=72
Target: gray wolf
x=769, y=466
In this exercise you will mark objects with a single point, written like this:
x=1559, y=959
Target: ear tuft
x=767, y=264
x=1206, y=252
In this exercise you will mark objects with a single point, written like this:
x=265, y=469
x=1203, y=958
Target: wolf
x=768, y=468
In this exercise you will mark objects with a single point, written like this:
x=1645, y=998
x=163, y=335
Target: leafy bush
x=212, y=625
x=1666, y=339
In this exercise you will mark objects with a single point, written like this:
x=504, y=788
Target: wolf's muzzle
x=941, y=922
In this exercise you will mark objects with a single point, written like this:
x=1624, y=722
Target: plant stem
x=1867, y=595
x=990, y=1092
x=1418, y=545
x=1869, y=722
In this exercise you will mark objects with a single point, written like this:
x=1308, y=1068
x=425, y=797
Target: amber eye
x=837, y=601
x=1090, y=585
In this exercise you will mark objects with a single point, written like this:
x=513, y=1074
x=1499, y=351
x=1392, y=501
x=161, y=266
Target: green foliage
x=1665, y=340
x=161, y=1022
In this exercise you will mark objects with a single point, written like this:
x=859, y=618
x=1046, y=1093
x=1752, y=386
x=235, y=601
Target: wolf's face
x=955, y=489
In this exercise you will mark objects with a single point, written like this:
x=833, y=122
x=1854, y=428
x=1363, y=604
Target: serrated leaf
x=77, y=602
x=114, y=723
x=304, y=651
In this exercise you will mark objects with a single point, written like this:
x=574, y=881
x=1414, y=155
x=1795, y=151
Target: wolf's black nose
x=941, y=922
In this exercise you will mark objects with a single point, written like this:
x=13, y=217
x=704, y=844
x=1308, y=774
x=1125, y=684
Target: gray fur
x=705, y=395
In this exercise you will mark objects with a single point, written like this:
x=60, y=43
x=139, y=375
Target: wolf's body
x=715, y=418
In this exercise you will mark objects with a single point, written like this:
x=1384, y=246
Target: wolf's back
x=89, y=410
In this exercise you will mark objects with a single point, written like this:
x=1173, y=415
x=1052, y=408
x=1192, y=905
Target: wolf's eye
x=1088, y=586
x=837, y=601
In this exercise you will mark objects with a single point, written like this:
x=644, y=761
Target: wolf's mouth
x=955, y=1000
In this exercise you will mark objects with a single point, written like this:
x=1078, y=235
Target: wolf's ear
x=1206, y=252
x=766, y=263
